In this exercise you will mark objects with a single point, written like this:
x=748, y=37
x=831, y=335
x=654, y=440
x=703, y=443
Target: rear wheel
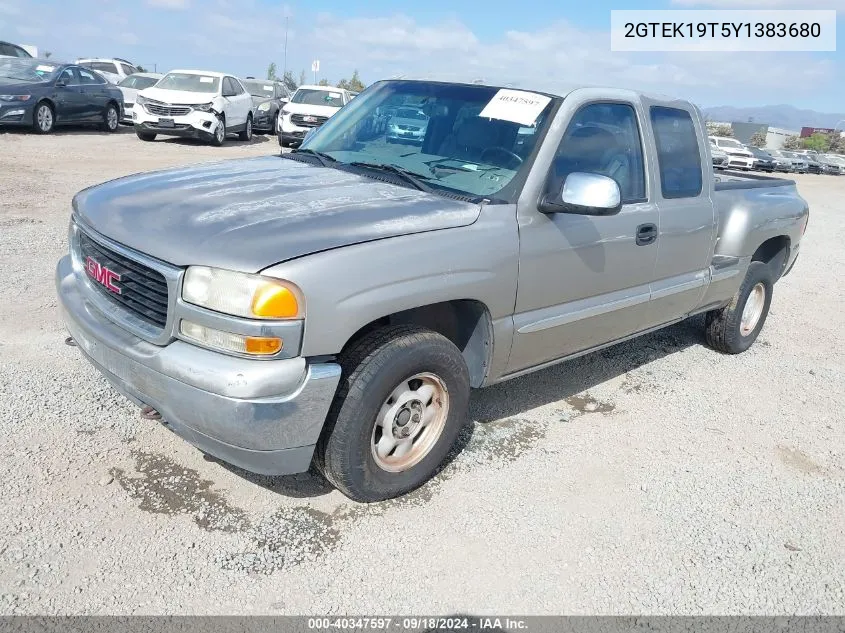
x=400, y=406
x=246, y=135
x=111, y=118
x=734, y=328
x=43, y=118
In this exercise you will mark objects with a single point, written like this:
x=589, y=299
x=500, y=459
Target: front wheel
x=734, y=328
x=43, y=119
x=219, y=132
x=400, y=406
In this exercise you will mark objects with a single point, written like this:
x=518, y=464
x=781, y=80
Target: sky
x=530, y=43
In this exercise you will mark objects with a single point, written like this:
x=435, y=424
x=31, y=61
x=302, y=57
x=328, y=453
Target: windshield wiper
x=412, y=178
x=323, y=158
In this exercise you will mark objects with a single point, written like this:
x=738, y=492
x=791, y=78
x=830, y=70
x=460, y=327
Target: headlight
x=241, y=294
x=204, y=107
x=264, y=107
x=140, y=100
x=15, y=97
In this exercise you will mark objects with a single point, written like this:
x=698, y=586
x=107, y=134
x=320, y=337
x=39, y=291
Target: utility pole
x=285, y=72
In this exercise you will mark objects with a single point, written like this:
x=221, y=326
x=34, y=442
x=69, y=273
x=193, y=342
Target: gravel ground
x=654, y=477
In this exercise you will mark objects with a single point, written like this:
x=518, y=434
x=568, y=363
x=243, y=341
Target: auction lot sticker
x=517, y=106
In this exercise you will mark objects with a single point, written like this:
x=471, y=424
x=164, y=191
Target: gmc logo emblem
x=309, y=119
x=102, y=275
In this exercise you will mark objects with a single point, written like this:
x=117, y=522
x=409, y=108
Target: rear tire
x=246, y=135
x=145, y=136
x=111, y=118
x=402, y=384
x=734, y=328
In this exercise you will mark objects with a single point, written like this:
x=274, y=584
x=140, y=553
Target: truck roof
x=551, y=87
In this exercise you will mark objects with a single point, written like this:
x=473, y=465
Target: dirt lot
x=654, y=477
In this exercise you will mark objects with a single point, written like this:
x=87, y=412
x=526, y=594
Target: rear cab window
x=678, y=155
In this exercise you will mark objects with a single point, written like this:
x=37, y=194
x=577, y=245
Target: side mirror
x=61, y=82
x=585, y=194
x=285, y=99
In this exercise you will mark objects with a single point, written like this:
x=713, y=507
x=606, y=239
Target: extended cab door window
x=678, y=156
x=603, y=138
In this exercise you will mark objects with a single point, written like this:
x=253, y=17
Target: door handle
x=646, y=234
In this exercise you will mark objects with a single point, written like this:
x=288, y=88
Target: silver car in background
x=130, y=87
x=407, y=124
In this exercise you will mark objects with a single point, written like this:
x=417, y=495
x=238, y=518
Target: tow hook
x=148, y=413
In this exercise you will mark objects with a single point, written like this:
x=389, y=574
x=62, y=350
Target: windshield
x=29, y=70
x=138, y=83
x=727, y=142
x=469, y=139
x=189, y=82
x=103, y=67
x=259, y=88
x=833, y=158
x=307, y=96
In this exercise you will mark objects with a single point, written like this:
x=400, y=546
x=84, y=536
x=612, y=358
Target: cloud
x=554, y=58
x=169, y=4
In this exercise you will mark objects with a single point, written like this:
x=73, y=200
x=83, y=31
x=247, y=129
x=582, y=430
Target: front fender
x=348, y=288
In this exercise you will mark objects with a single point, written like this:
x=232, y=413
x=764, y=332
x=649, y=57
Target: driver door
x=584, y=280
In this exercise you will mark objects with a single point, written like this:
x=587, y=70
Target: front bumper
x=740, y=161
x=195, y=124
x=264, y=121
x=263, y=416
x=16, y=113
x=127, y=113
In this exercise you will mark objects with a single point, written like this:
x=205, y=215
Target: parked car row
x=730, y=153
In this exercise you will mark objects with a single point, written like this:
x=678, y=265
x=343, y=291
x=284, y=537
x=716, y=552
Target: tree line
x=353, y=85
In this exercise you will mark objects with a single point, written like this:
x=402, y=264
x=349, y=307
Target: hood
x=12, y=87
x=304, y=108
x=736, y=151
x=249, y=214
x=177, y=96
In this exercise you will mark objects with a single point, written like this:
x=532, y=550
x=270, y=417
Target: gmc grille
x=299, y=119
x=143, y=291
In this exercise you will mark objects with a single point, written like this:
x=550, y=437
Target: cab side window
x=67, y=77
x=678, y=157
x=603, y=138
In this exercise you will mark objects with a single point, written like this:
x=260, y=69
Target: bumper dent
x=263, y=416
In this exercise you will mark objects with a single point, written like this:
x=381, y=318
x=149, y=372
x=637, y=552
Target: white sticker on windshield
x=45, y=69
x=268, y=88
x=334, y=95
x=516, y=106
x=207, y=80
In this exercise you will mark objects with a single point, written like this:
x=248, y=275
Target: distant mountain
x=783, y=116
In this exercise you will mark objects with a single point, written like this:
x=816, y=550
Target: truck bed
x=727, y=180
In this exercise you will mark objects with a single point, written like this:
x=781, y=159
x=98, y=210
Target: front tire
x=43, y=118
x=111, y=118
x=219, y=136
x=246, y=135
x=734, y=328
x=400, y=406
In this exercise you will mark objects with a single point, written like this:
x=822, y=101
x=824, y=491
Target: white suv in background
x=308, y=108
x=738, y=156
x=114, y=70
x=194, y=104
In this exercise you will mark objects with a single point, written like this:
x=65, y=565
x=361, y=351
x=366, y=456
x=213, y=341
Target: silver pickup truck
x=336, y=304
